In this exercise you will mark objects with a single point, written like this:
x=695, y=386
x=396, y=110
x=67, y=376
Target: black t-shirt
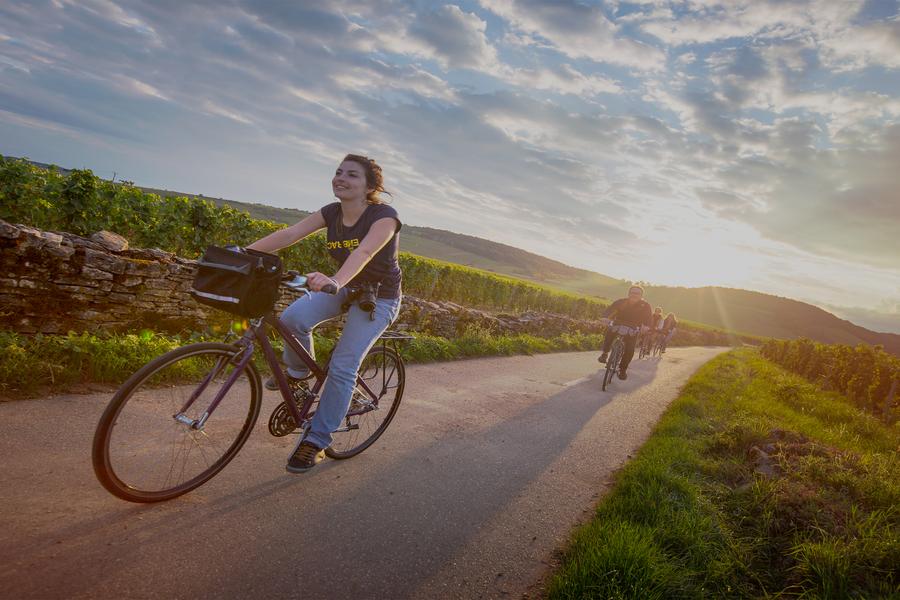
x=630, y=315
x=384, y=267
x=670, y=323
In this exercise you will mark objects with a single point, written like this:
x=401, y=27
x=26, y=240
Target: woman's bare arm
x=289, y=236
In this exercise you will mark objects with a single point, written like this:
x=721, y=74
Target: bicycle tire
x=114, y=478
x=612, y=365
x=356, y=446
x=645, y=349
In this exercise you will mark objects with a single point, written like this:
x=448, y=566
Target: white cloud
x=564, y=79
x=576, y=30
x=455, y=38
x=137, y=87
x=214, y=109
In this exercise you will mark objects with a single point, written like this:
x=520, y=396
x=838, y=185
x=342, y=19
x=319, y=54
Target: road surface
x=477, y=483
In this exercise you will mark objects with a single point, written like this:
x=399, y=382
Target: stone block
x=95, y=274
x=111, y=241
x=156, y=283
x=154, y=293
x=130, y=281
x=63, y=250
x=77, y=289
x=60, y=280
x=90, y=315
x=51, y=238
x=104, y=262
x=145, y=268
x=50, y=326
x=9, y=231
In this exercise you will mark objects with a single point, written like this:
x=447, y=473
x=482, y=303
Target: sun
x=712, y=258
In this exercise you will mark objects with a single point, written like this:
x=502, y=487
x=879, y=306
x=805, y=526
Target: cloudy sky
x=750, y=144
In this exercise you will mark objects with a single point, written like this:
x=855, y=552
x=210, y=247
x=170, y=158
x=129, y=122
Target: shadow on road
x=407, y=516
x=419, y=510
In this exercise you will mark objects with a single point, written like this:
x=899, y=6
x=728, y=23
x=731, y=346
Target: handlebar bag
x=243, y=283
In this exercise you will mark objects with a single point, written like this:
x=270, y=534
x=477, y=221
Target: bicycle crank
x=281, y=421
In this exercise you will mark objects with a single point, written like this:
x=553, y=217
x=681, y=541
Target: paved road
x=481, y=477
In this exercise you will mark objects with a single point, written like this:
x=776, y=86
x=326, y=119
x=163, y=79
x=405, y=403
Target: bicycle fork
x=246, y=353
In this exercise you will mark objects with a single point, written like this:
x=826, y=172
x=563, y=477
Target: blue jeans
x=359, y=335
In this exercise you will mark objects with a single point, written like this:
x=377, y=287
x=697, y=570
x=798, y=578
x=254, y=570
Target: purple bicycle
x=181, y=418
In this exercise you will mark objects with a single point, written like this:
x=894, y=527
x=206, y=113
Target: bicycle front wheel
x=383, y=372
x=612, y=364
x=149, y=445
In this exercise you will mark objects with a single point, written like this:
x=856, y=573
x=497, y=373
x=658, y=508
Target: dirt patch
x=811, y=484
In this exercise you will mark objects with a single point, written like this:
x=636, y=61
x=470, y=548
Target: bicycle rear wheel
x=383, y=372
x=142, y=453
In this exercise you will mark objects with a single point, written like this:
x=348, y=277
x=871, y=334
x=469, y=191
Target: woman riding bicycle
x=362, y=237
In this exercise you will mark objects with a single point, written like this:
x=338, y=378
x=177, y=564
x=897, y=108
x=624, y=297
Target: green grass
x=692, y=517
x=42, y=364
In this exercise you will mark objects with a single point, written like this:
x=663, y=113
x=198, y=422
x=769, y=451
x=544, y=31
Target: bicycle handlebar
x=296, y=281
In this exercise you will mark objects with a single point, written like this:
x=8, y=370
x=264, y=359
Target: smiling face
x=349, y=182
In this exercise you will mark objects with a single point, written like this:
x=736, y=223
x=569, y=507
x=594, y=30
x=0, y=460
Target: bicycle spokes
x=375, y=400
x=160, y=435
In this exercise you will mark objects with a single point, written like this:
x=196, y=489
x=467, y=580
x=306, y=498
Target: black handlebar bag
x=244, y=283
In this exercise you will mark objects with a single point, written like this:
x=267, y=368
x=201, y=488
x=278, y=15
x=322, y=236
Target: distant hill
x=735, y=309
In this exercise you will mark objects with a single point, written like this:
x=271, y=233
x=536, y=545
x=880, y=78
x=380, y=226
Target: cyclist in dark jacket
x=632, y=311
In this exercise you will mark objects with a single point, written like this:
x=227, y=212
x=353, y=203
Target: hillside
x=452, y=247
x=734, y=309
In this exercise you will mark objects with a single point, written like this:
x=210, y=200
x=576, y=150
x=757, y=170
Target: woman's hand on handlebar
x=319, y=282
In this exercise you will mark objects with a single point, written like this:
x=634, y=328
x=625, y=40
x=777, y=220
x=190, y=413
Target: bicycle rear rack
x=394, y=339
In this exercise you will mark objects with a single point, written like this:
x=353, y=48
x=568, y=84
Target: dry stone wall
x=57, y=282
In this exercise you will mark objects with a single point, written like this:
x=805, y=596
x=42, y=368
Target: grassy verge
x=41, y=364
x=754, y=484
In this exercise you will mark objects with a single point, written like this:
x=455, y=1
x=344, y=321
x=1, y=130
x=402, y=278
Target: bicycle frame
x=257, y=333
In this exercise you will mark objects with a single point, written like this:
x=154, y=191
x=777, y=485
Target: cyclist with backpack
x=362, y=238
x=632, y=311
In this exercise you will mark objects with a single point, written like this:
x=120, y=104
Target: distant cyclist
x=632, y=311
x=647, y=339
x=669, y=327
